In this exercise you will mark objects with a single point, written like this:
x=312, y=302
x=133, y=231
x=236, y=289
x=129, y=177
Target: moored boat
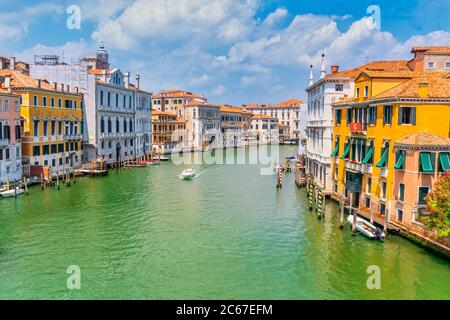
x=11, y=193
x=367, y=229
x=161, y=158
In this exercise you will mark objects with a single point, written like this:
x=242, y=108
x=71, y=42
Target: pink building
x=10, y=137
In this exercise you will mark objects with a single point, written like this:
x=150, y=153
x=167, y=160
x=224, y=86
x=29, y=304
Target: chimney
x=322, y=68
x=67, y=88
x=76, y=90
x=423, y=89
x=38, y=83
x=126, y=79
x=61, y=85
x=12, y=63
x=8, y=82
x=311, y=76
x=138, y=78
x=55, y=86
x=334, y=69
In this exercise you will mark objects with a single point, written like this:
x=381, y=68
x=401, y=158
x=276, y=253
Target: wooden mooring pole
x=342, y=203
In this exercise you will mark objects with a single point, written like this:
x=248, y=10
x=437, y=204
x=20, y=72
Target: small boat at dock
x=11, y=193
x=160, y=159
x=151, y=162
x=367, y=229
x=187, y=174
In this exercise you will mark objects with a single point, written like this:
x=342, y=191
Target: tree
x=438, y=204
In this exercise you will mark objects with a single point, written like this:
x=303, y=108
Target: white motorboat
x=367, y=229
x=187, y=174
x=11, y=193
x=161, y=158
x=291, y=158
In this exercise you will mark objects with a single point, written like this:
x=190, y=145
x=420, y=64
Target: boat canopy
x=368, y=156
x=425, y=162
x=400, y=160
x=444, y=161
x=346, y=151
x=336, y=151
x=383, y=158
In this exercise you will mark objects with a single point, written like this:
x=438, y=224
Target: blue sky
x=233, y=51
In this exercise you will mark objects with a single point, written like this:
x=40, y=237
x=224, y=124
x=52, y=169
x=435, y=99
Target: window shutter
x=413, y=115
x=400, y=115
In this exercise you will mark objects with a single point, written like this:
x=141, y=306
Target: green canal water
x=229, y=234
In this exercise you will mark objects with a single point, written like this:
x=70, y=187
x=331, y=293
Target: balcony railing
x=384, y=172
x=367, y=168
x=72, y=137
x=354, y=166
x=4, y=142
x=358, y=127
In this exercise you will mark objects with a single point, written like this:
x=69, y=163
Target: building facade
x=203, y=126
x=175, y=101
x=10, y=136
x=52, y=118
x=117, y=114
x=265, y=129
x=388, y=148
x=288, y=113
x=168, y=132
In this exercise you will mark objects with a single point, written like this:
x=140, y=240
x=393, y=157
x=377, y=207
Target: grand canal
x=228, y=234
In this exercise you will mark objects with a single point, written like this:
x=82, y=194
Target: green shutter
x=346, y=151
x=368, y=156
x=383, y=158
x=444, y=161
x=335, y=152
x=413, y=115
x=400, y=115
x=425, y=162
x=400, y=160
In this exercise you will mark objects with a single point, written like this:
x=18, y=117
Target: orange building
x=168, y=131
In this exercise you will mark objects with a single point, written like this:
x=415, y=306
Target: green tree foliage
x=438, y=204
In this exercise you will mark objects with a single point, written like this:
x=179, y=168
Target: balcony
x=72, y=137
x=384, y=172
x=358, y=127
x=4, y=142
x=367, y=168
x=354, y=166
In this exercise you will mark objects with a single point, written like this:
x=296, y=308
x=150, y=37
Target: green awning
x=425, y=162
x=444, y=161
x=382, y=161
x=335, y=152
x=400, y=161
x=346, y=151
x=368, y=156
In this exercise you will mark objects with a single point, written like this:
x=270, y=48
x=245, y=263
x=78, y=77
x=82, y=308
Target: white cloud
x=219, y=90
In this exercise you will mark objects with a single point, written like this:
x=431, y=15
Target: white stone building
x=203, y=126
x=265, y=129
x=320, y=121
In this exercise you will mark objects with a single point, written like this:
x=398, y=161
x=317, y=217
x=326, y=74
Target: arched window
x=117, y=125
x=124, y=125
x=109, y=125
x=102, y=125
x=131, y=125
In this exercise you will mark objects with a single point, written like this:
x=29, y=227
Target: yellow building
x=52, y=118
x=374, y=141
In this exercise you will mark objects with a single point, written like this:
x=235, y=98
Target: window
x=444, y=161
x=367, y=202
x=36, y=151
x=357, y=92
x=46, y=149
x=101, y=98
x=60, y=148
x=400, y=215
x=338, y=116
x=45, y=128
x=383, y=190
x=349, y=116
x=382, y=208
x=430, y=65
x=366, y=91
x=59, y=103
x=423, y=192
x=53, y=128
x=400, y=157
x=401, y=192
x=447, y=65
x=44, y=101
x=36, y=128
x=109, y=99
x=407, y=115
x=387, y=114
x=372, y=115
x=35, y=101
x=60, y=127
x=52, y=102
x=102, y=125
x=53, y=148
x=369, y=185
x=427, y=161
x=339, y=87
